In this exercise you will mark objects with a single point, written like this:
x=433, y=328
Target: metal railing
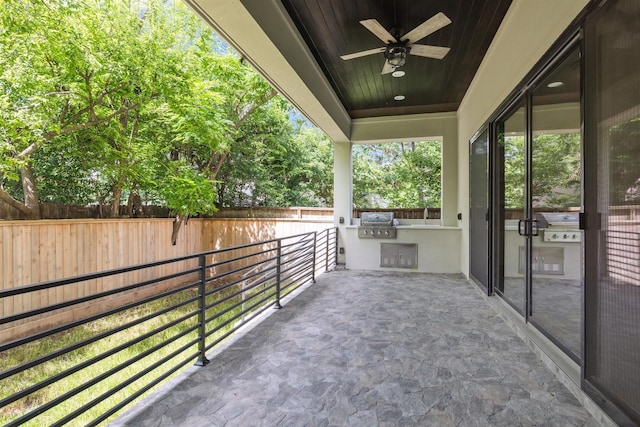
x=125, y=342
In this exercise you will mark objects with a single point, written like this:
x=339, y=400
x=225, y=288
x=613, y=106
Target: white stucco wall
x=527, y=32
x=342, y=192
x=414, y=128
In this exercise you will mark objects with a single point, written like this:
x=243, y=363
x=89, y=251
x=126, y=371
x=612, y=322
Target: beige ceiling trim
x=402, y=128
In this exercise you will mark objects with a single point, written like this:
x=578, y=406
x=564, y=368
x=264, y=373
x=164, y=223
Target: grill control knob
x=554, y=236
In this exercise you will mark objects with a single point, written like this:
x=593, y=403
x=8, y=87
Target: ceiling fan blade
x=436, y=52
x=429, y=26
x=363, y=53
x=380, y=32
x=388, y=68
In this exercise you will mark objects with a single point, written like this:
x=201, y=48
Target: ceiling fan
x=397, y=47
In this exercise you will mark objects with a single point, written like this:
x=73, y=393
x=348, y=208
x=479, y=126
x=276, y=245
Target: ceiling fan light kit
x=396, y=54
x=397, y=48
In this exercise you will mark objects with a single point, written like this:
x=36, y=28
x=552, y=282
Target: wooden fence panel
x=39, y=251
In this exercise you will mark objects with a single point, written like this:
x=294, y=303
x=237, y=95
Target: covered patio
x=365, y=348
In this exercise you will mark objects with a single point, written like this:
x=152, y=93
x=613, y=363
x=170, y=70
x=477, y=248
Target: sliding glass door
x=511, y=193
x=479, y=209
x=538, y=202
x=556, y=288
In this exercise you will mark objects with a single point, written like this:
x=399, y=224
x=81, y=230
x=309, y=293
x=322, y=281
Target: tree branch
x=49, y=136
x=6, y=197
x=254, y=107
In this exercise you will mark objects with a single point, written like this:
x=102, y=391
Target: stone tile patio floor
x=371, y=349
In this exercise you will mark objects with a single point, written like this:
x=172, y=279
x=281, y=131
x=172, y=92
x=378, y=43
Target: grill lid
x=376, y=218
x=557, y=219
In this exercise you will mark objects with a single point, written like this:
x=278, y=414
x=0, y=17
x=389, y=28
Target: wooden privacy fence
x=39, y=251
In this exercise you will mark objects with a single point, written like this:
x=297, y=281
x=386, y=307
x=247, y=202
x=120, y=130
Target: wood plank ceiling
x=331, y=28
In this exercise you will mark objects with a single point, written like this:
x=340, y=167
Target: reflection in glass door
x=511, y=192
x=556, y=252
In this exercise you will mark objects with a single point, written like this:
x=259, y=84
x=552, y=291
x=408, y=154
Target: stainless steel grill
x=559, y=226
x=377, y=225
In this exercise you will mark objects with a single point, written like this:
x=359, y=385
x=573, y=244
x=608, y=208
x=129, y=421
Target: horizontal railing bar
x=264, y=242
x=232, y=330
x=298, y=255
x=297, y=261
x=236, y=271
x=266, y=283
x=221, y=338
x=123, y=384
x=257, y=294
x=295, y=275
x=294, y=270
x=90, y=276
x=292, y=256
x=298, y=278
x=235, y=294
x=76, y=301
x=140, y=391
x=229, y=309
x=103, y=376
x=301, y=242
x=98, y=316
x=35, y=362
x=240, y=258
x=245, y=278
x=226, y=298
x=293, y=264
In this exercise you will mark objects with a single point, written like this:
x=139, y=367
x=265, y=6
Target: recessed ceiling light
x=398, y=73
x=555, y=84
x=399, y=97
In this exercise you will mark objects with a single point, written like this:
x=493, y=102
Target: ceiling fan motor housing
x=396, y=53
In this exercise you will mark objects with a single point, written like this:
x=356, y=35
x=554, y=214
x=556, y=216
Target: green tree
x=275, y=164
x=397, y=175
x=83, y=70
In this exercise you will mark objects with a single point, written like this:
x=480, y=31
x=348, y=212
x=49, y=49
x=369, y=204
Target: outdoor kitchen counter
x=426, y=227
x=438, y=248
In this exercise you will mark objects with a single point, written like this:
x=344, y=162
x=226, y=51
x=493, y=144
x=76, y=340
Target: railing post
x=335, y=231
x=326, y=252
x=313, y=269
x=202, y=312
x=278, y=267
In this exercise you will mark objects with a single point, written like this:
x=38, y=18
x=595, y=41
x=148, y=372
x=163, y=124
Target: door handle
x=534, y=227
x=520, y=222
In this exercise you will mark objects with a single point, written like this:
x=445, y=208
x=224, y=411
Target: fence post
x=278, y=267
x=202, y=311
x=315, y=253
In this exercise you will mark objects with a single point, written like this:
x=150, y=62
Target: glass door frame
x=498, y=209
x=574, y=44
x=486, y=129
x=524, y=99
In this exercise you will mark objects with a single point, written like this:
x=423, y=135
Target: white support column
x=342, y=199
x=450, y=205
